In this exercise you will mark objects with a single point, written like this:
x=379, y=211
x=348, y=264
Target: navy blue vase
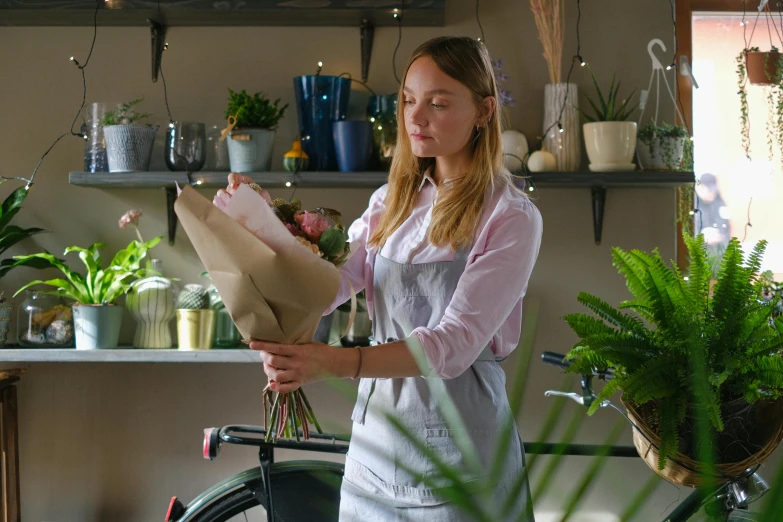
x=353, y=143
x=320, y=101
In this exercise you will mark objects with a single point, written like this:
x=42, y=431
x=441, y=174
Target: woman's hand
x=236, y=179
x=223, y=196
x=289, y=366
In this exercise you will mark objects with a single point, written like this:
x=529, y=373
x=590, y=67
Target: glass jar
x=217, y=151
x=44, y=321
x=185, y=146
x=95, y=159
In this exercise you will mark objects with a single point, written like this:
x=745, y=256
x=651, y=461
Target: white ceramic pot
x=610, y=145
x=661, y=153
x=515, y=148
x=96, y=326
x=250, y=150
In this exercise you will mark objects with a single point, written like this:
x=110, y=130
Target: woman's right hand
x=223, y=196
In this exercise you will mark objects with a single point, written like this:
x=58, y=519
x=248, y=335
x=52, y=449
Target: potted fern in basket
x=679, y=350
x=250, y=142
x=128, y=142
x=610, y=138
x=664, y=147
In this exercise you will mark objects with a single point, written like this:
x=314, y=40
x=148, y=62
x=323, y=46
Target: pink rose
x=293, y=229
x=131, y=217
x=312, y=224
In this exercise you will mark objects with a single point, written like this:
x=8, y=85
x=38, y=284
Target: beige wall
x=113, y=442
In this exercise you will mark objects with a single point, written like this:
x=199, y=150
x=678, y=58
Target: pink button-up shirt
x=487, y=304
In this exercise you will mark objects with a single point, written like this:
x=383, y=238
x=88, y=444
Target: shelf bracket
x=171, y=197
x=599, y=201
x=366, y=34
x=158, y=35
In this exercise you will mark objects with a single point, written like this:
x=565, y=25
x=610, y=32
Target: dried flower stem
x=549, y=16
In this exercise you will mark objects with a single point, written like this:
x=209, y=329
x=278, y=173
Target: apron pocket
x=441, y=442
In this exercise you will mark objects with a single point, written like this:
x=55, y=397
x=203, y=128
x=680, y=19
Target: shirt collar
x=427, y=177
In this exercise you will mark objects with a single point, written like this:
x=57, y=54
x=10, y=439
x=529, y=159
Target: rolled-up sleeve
x=355, y=270
x=489, y=290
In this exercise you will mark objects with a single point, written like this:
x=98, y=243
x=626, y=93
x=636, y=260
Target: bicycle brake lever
x=574, y=396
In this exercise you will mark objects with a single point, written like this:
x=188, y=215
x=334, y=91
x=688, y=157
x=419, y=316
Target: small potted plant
x=195, y=319
x=610, y=138
x=662, y=147
x=97, y=317
x=128, y=143
x=9, y=236
x=250, y=140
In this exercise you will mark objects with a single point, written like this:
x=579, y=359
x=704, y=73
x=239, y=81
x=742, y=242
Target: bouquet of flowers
x=275, y=266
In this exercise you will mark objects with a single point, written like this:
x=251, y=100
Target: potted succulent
x=9, y=236
x=97, y=317
x=662, y=147
x=253, y=134
x=195, y=319
x=762, y=68
x=681, y=351
x=609, y=137
x=128, y=143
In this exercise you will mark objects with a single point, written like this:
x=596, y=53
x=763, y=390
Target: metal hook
x=655, y=62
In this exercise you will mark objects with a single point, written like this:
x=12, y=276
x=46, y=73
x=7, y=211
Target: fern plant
x=125, y=114
x=255, y=110
x=651, y=340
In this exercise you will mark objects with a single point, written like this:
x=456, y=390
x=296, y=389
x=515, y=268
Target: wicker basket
x=681, y=469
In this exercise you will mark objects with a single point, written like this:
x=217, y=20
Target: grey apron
x=375, y=488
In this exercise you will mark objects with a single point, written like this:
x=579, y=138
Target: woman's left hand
x=289, y=366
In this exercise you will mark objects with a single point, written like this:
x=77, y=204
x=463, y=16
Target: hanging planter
x=663, y=147
x=764, y=68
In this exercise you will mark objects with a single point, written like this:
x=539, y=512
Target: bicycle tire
x=290, y=480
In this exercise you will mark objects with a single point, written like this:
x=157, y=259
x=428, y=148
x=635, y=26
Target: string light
x=29, y=182
x=318, y=69
x=581, y=60
x=560, y=128
x=398, y=13
x=478, y=21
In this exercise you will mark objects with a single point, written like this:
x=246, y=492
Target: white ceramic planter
x=661, y=153
x=610, y=145
x=250, y=150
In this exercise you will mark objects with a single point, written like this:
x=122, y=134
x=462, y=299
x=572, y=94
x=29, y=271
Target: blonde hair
x=460, y=202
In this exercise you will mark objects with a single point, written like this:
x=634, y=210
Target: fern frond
x=611, y=315
x=667, y=431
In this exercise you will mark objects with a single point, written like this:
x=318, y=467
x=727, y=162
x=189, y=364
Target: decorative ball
x=541, y=161
x=59, y=332
x=515, y=148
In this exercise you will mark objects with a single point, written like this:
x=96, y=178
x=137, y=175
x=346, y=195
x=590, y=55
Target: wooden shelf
x=598, y=182
x=125, y=355
x=209, y=13
x=126, y=180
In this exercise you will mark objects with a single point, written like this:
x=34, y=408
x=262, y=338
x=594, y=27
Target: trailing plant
x=611, y=108
x=255, y=110
x=774, y=96
x=99, y=285
x=125, y=114
x=730, y=330
x=10, y=234
x=666, y=135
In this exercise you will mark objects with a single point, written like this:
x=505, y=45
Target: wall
x=113, y=442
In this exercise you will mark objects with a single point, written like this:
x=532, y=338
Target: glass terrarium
x=44, y=321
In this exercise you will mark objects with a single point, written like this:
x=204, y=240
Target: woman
x=447, y=248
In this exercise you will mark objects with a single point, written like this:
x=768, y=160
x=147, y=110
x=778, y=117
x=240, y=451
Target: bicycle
x=725, y=502
x=276, y=487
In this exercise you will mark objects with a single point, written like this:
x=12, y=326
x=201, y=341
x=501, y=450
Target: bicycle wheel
x=301, y=490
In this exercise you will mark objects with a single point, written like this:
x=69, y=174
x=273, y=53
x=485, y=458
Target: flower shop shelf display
x=96, y=315
x=700, y=369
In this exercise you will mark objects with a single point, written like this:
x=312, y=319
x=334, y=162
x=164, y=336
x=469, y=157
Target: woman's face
x=440, y=112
